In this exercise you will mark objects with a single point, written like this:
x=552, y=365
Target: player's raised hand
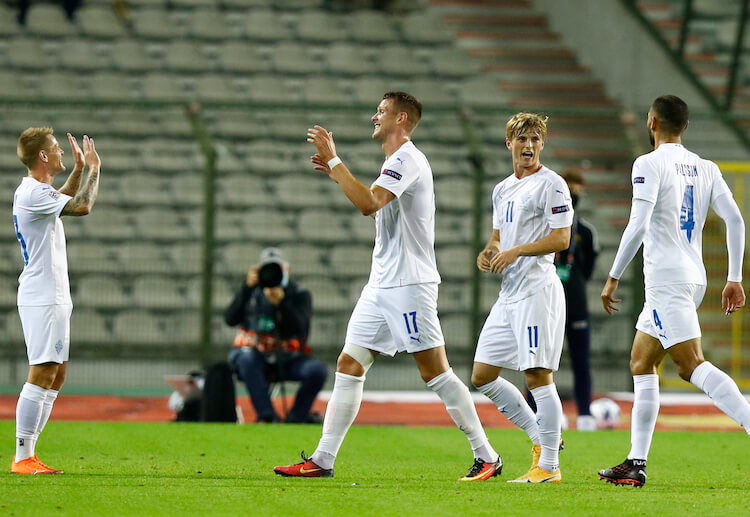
x=502, y=260
x=608, y=299
x=90, y=154
x=320, y=164
x=483, y=259
x=732, y=297
x=77, y=154
x=323, y=142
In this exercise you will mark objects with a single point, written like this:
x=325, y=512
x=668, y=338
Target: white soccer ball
x=606, y=412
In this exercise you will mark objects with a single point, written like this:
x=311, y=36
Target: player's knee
x=478, y=379
x=685, y=368
x=354, y=360
x=641, y=366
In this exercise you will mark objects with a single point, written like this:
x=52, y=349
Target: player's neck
x=393, y=142
x=521, y=172
x=42, y=176
x=666, y=139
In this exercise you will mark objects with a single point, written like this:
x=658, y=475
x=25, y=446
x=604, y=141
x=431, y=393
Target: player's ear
x=507, y=144
x=43, y=156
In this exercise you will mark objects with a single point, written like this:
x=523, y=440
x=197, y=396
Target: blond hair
x=32, y=140
x=522, y=123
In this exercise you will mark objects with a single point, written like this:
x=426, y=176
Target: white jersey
x=404, y=251
x=523, y=211
x=36, y=216
x=682, y=186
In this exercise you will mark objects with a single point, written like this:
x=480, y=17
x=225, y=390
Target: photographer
x=271, y=343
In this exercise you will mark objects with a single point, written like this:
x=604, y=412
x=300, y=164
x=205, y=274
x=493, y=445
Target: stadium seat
x=453, y=193
x=99, y=22
x=8, y=25
x=454, y=62
x=13, y=330
x=349, y=261
x=326, y=295
x=89, y=327
x=325, y=332
x=237, y=258
x=323, y=90
x=185, y=328
x=142, y=257
x=145, y=188
x=372, y=27
x=454, y=297
x=8, y=291
x=242, y=191
x=61, y=86
x=162, y=87
x=270, y=88
x=268, y=225
x=130, y=55
x=185, y=56
x=294, y=58
x=100, y=291
x=108, y=223
x=90, y=257
x=139, y=328
x=455, y=261
x=321, y=226
x=320, y=26
x=363, y=228
x=230, y=225
x=209, y=24
x=457, y=332
x=400, y=60
x=370, y=89
x=305, y=260
x=16, y=86
x=425, y=29
x=210, y=87
x=432, y=93
x=156, y=24
x=27, y=53
x=297, y=191
x=453, y=229
x=158, y=292
x=187, y=190
x=345, y=58
x=265, y=25
x=241, y=57
x=185, y=258
x=221, y=293
x=483, y=91
x=48, y=21
x=160, y=224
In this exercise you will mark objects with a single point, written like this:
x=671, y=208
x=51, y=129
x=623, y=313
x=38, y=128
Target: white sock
x=49, y=401
x=511, y=403
x=549, y=414
x=643, y=416
x=723, y=391
x=341, y=411
x=28, y=413
x=457, y=399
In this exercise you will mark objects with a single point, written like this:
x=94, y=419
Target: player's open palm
x=320, y=164
x=732, y=297
x=90, y=154
x=323, y=142
x=77, y=153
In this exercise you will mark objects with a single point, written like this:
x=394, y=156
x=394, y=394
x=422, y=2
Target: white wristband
x=333, y=162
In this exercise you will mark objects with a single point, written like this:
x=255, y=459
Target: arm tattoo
x=84, y=200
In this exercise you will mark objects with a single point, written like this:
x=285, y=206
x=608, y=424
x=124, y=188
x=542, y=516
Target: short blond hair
x=32, y=140
x=522, y=123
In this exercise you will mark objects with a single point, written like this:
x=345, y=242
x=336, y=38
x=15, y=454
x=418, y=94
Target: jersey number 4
x=687, y=222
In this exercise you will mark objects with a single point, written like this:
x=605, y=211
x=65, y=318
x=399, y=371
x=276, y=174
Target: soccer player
x=672, y=191
x=397, y=310
x=532, y=213
x=44, y=302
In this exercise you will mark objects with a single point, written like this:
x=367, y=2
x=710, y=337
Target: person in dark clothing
x=575, y=267
x=273, y=315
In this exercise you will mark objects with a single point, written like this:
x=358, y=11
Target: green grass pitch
x=214, y=469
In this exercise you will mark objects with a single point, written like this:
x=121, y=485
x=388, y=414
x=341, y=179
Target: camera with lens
x=270, y=275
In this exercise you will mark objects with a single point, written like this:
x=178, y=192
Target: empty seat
x=158, y=292
x=28, y=53
x=221, y=293
x=89, y=257
x=111, y=86
x=269, y=88
x=48, y=20
x=432, y=93
x=100, y=291
x=108, y=223
x=15, y=86
x=363, y=228
x=8, y=24
x=162, y=87
x=216, y=88
x=156, y=23
x=184, y=56
x=13, y=330
x=139, y=328
x=242, y=190
x=99, y=22
x=326, y=295
x=454, y=297
x=210, y=24
x=483, y=91
x=266, y=25
x=400, y=60
x=300, y=191
x=8, y=290
x=268, y=225
x=318, y=25
x=240, y=56
x=454, y=62
x=130, y=55
x=237, y=258
x=305, y=260
x=146, y=188
x=88, y=326
x=78, y=54
x=61, y=85
x=142, y=257
x=325, y=332
x=269, y=164
x=185, y=328
x=230, y=225
x=187, y=190
x=370, y=89
x=456, y=261
x=160, y=224
x=321, y=226
x=324, y=90
x=454, y=193
x=186, y=258
x=426, y=29
x=457, y=332
x=372, y=27
x=453, y=229
x=351, y=261
x=347, y=58
x=294, y=58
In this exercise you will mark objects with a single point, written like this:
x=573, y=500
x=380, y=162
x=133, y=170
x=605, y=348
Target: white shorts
x=46, y=330
x=526, y=334
x=396, y=319
x=670, y=313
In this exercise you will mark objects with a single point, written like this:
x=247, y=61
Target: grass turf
x=207, y=469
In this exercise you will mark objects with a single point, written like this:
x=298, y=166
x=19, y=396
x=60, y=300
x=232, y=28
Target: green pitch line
x=224, y=469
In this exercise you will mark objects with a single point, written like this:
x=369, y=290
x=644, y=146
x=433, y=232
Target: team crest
x=58, y=346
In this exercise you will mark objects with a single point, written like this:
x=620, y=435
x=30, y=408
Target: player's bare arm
x=84, y=199
x=367, y=200
x=557, y=240
x=489, y=251
x=73, y=183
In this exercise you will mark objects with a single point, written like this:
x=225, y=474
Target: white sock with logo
x=723, y=391
x=457, y=399
x=511, y=403
x=643, y=416
x=28, y=413
x=341, y=411
x=549, y=414
x=49, y=401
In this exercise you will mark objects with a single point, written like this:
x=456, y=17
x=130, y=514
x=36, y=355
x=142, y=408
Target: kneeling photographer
x=273, y=315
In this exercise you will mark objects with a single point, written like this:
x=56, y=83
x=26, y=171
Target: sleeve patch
x=639, y=179
x=54, y=194
x=392, y=174
x=560, y=209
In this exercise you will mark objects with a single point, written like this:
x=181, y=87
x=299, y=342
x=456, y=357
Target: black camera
x=270, y=275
